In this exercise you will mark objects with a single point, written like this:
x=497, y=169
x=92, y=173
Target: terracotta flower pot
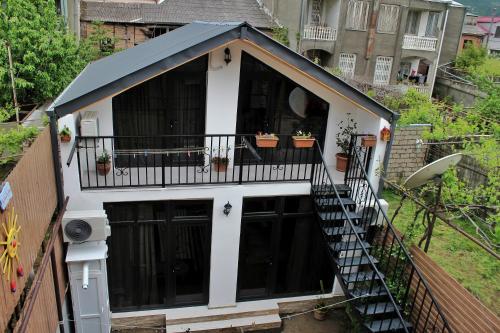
x=266, y=141
x=103, y=168
x=341, y=162
x=303, y=142
x=219, y=167
x=369, y=141
x=320, y=314
x=65, y=138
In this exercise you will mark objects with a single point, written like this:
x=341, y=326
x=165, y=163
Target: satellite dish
x=298, y=101
x=431, y=170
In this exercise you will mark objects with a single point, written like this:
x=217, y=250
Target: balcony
x=411, y=42
x=163, y=161
x=322, y=33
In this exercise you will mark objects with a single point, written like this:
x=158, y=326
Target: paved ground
x=336, y=322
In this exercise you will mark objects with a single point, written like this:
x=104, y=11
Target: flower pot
x=369, y=141
x=219, y=167
x=320, y=314
x=65, y=138
x=303, y=142
x=341, y=162
x=103, y=168
x=266, y=141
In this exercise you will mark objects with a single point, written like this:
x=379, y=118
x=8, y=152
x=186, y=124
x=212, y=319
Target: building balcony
x=420, y=43
x=163, y=161
x=322, y=33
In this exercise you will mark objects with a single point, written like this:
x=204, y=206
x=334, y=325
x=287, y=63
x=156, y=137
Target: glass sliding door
x=281, y=249
x=159, y=254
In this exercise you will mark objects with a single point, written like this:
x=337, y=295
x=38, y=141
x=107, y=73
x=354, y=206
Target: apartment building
x=381, y=42
x=472, y=33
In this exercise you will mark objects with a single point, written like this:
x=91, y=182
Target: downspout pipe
x=435, y=69
x=54, y=132
x=387, y=154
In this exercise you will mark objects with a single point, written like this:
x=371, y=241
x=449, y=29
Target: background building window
x=357, y=15
x=412, y=22
x=497, y=32
x=383, y=69
x=347, y=64
x=432, y=25
x=388, y=19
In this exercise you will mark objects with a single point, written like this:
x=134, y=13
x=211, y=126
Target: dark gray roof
x=177, y=12
x=473, y=30
x=120, y=71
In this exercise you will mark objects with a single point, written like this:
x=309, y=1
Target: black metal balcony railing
x=187, y=160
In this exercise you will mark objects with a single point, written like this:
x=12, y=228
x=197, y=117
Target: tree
x=471, y=57
x=46, y=57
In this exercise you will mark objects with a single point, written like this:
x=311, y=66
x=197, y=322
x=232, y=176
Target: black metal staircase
x=372, y=264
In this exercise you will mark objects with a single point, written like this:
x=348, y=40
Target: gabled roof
x=176, y=12
x=115, y=73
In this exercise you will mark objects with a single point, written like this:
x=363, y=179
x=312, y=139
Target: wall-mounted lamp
x=227, y=208
x=227, y=55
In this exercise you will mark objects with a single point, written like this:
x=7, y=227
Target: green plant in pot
x=103, y=163
x=347, y=128
x=220, y=163
x=320, y=309
x=65, y=134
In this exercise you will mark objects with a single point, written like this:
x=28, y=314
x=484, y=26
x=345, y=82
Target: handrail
x=358, y=239
x=354, y=154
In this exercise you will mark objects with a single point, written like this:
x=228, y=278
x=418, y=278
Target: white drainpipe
x=436, y=65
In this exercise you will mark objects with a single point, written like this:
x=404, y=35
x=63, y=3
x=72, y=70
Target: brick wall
x=406, y=157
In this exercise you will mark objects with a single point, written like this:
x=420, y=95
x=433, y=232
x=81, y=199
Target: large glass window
x=388, y=19
x=357, y=15
x=282, y=252
x=159, y=254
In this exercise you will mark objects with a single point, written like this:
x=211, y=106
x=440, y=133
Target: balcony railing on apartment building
x=187, y=160
x=411, y=42
x=317, y=32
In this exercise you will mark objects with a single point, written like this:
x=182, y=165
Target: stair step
x=343, y=189
x=385, y=325
x=247, y=324
x=354, y=261
x=360, y=276
x=336, y=231
x=375, y=292
x=338, y=216
x=327, y=202
x=376, y=308
x=348, y=246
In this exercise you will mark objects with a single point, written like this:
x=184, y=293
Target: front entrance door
x=159, y=254
x=281, y=250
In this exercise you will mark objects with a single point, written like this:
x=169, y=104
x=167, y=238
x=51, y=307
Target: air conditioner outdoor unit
x=89, y=125
x=85, y=225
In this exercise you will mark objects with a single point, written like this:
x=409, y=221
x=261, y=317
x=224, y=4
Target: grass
x=491, y=67
x=471, y=266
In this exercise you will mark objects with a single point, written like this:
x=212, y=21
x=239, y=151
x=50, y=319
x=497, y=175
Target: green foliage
x=104, y=157
x=346, y=129
x=46, y=57
x=100, y=41
x=7, y=112
x=13, y=141
x=280, y=34
x=471, y=57
x=334, y=71
x=65, y=131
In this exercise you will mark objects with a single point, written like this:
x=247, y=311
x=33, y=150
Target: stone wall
x=406, y=156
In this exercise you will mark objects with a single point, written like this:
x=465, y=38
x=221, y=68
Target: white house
x=196, y=248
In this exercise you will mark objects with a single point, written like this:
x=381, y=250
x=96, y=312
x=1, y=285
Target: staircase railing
x=405, y=281
x=372, y=284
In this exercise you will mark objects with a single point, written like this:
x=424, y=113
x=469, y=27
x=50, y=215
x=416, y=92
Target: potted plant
x=320, y=309
x=266, y=140
x=103, y=163
x=65, y=134
x=220, y=163
x=343, y=139
x=303, y=139
x=369, y=141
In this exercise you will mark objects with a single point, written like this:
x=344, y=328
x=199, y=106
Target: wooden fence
x=464, y=312
x=34, y=200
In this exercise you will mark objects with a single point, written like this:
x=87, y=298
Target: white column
x=225, y=249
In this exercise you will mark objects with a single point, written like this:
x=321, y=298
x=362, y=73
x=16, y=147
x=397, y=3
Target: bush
x=280, y=34
x=14, y=141
x=471, y=57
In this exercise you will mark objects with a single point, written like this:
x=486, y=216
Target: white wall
x=222, y=105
